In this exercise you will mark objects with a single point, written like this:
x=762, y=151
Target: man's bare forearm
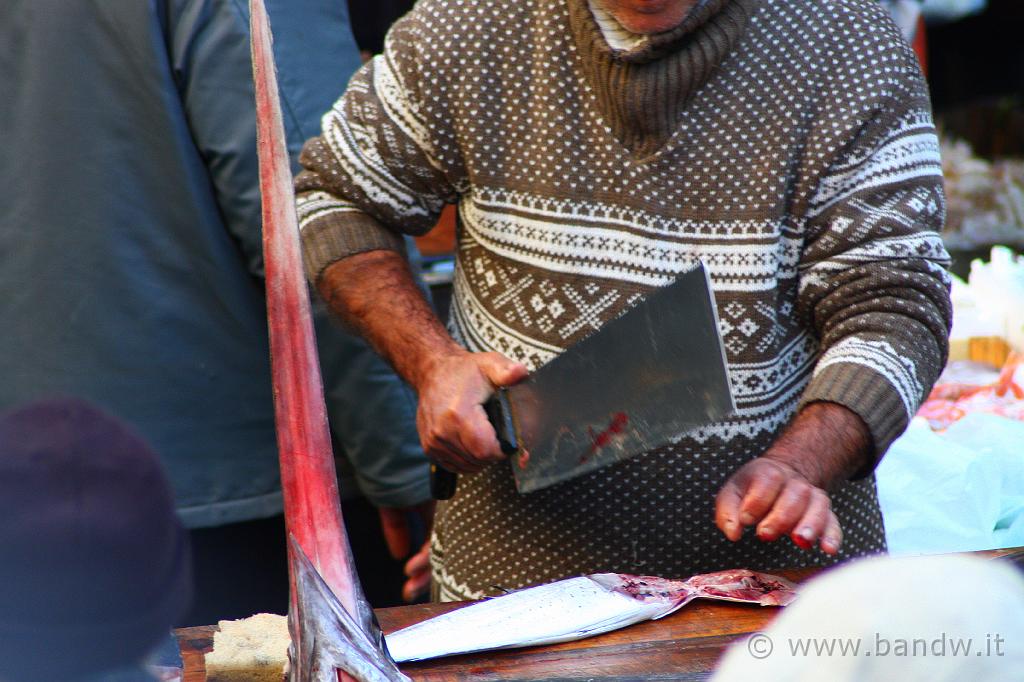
x=827, y=443
x=375, y=293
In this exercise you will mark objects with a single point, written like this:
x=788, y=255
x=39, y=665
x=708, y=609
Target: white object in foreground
x=576, y=608
x=908, y=619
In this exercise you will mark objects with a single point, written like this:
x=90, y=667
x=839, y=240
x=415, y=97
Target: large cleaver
x=641, y=381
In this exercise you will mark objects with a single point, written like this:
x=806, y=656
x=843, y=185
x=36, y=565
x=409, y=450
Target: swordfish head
x=326, y=640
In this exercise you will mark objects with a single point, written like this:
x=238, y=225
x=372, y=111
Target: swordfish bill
x=334, y=634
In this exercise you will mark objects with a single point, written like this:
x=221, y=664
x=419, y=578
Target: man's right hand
x=375, y=293
x=454, y=430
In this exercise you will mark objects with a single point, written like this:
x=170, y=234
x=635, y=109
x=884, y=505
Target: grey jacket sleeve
x=372, y=413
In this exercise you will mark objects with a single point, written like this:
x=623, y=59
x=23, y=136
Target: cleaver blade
x=641, y=381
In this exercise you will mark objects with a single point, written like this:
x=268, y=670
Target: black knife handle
x=442, y=482
x=499, y=413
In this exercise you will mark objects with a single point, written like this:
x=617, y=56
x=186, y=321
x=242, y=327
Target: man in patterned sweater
x=596, y=149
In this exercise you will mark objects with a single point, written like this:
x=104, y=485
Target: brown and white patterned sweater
x=786, y=144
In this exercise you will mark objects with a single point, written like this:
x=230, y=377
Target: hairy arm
x=372, y=175
x=375, y=292
x=827, y=444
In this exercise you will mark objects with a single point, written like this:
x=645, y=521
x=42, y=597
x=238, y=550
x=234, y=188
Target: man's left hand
x=783, y=492
x=780, y=501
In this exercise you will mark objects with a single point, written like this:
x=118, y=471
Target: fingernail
x=746, y=518
x=766, y=532
x=807, y=533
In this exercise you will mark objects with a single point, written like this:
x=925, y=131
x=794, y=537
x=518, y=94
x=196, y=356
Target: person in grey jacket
x=131, y=263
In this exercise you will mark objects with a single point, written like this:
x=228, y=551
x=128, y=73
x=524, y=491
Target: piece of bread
x=253, y=649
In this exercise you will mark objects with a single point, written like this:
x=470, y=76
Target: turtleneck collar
x=641, y=86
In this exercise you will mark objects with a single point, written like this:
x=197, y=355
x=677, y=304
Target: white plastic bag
x=959, y=491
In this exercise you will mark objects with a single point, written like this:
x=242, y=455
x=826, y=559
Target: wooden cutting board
x=684, y=646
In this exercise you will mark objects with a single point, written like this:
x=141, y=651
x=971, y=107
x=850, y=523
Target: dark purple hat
x=94, y=564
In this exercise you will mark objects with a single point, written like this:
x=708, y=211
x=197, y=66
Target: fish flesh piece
x=576, y=608
x=741, y=585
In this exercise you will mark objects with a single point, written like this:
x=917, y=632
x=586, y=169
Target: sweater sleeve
x=873, y=284
x=374, y=172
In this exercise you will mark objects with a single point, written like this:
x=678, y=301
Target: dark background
x=976, y=75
